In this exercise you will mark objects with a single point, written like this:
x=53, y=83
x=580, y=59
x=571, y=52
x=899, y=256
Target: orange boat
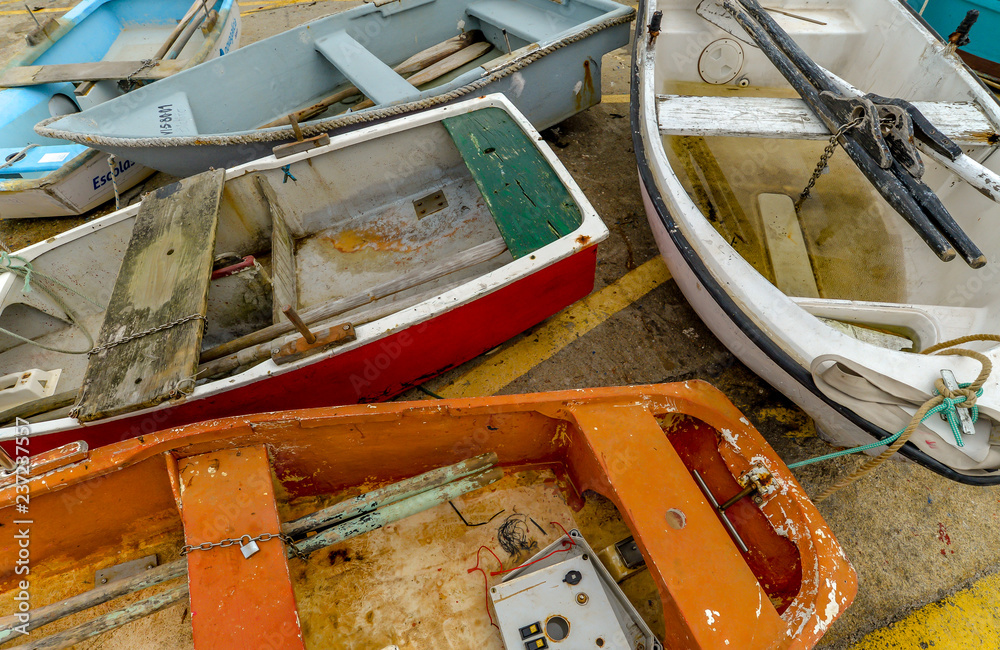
x=735, y=553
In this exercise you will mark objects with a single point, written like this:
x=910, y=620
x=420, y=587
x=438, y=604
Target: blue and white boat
x=982, y=53
x=118, y=43
x=402, y=55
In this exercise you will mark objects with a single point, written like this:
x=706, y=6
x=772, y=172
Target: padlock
x=249, y=548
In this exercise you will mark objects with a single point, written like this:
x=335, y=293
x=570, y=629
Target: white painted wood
x=792, y=270
x=767, y=117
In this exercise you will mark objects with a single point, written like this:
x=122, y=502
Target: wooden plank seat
x=530, y=205
x=151, y=336
x=226, y=495
x=528, y=23
x=367, y=72
x=34, y=75
x=772, y=117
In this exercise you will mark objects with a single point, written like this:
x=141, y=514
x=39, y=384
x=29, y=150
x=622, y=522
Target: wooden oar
x=414, y=64
x=201, y=14
x=160, y=53
x=441, y=68
x=463, y=260
x=808, y=80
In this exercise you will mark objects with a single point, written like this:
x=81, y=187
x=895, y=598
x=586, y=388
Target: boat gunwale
x=643, y=115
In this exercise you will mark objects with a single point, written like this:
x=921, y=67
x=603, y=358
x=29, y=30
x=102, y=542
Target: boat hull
x=378, y=370
x=765, y=329
x=90, y=179
x=644, y=449
x=547, y=81
x=547, y=92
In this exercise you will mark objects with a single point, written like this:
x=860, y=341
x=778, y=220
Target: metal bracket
x=430, y=204
x=722, y=513
x=868, y=134
x=124, y=570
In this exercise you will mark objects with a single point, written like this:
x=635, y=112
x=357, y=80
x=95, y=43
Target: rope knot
x=24, y=269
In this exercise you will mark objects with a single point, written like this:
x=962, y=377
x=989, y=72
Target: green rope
x=27, y=271
x=948, y=406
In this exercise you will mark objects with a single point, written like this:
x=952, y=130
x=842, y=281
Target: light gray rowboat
x=402, y=55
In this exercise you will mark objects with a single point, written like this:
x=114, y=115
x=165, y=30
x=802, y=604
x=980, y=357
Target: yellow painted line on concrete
x=267, y=5
x=19, y=12
x=503, y=367
x=968, y=619
x=614, y=99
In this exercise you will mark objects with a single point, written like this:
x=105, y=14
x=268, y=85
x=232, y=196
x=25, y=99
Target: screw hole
x=138, y=380
x=600, y=642
x=170, y=252
x=489, y=150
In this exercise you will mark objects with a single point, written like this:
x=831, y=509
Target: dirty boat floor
x=913, y=537
x=406, y=584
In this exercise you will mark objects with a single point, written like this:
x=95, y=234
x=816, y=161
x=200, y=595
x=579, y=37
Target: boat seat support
x=771, y=117
x=379, y=82
x=676, y=527
x=283, y=271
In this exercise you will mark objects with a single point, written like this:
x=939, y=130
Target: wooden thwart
x=236, y=598
x=34, y=75
x=144, y=352
x=771, y=117
x=530, y=205
x=283, y=273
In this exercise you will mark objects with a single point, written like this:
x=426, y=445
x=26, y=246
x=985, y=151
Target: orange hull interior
x=610, y=462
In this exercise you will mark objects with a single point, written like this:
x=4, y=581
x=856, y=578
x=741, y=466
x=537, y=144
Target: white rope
x=322, y=126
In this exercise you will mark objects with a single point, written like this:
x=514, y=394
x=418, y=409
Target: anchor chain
x=153, y=330
x=128, y=83
x=824, y=159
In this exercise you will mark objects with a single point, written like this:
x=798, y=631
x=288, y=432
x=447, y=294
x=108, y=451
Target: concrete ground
x=925, y=548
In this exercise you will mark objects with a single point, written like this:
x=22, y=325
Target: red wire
x=486, y=580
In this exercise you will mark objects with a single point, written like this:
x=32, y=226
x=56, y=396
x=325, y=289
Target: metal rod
x=722, y=515
x=293, y=316
x=384, y=496
x=32, y=14
x=396, y=511
x=745, y=492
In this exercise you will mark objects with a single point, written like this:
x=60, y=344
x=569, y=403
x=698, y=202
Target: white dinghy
x=830, y=297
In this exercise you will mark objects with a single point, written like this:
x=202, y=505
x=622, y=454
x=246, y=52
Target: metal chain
x=243, y=540
x=128, y=83
x=154, y=330
x=824, y=159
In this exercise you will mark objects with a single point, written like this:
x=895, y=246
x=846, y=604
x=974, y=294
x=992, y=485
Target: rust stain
x=585, y=98
x=583, y=240
x=384, y=237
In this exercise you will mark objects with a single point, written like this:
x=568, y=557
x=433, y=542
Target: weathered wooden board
x=529, y=203
x=34, y=75
x=236, y=602
x=283, y=273
x=770, y=117
x=163, y=278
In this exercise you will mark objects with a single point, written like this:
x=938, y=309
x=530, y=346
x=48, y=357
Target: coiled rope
x=317, y=127
x=20, y=267
x=946, y=401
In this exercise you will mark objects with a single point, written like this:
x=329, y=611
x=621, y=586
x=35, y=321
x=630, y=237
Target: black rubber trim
x=739, y=318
